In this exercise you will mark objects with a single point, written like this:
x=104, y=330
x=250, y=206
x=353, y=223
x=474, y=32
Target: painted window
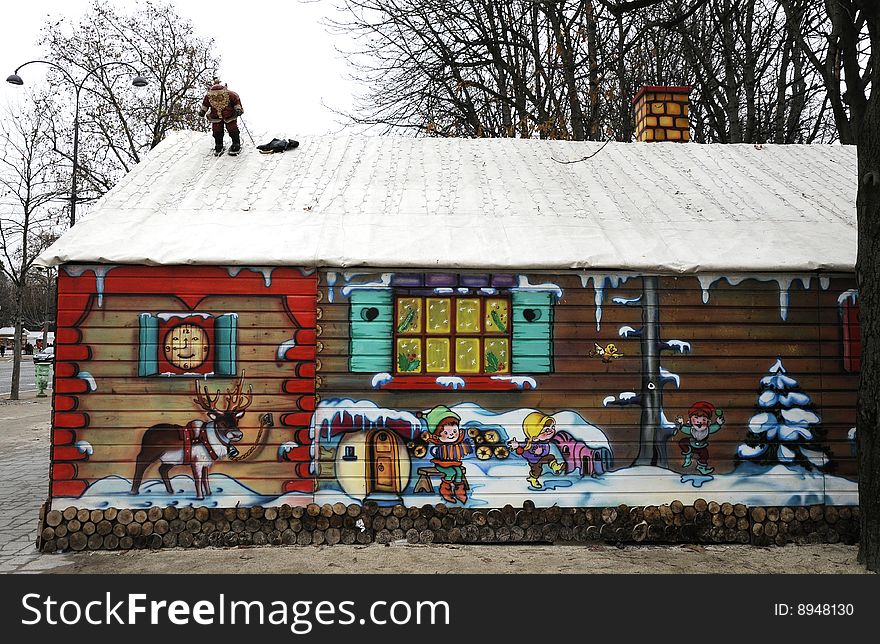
x=181, y=344
x=452, y=335
x=422, y=333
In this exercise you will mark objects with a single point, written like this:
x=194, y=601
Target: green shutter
x=372, y=332
x=225, y=328
x=532, y=345
x=148, y=345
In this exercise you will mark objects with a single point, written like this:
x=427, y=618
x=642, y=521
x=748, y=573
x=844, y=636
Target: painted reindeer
x=197, y=444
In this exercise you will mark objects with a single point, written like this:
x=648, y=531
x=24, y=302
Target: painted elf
x=222, y=107
x=450, y=447
x=696, y=440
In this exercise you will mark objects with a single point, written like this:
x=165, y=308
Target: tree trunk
x=16, y=348
x=868, y=273
x=651, y=399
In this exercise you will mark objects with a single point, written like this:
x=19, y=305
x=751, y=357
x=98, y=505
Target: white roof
x=10, y=331
x=392, y=202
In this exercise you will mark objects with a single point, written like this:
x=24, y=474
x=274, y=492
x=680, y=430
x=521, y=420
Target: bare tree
x=117, y=122
x=28, y=220
x=855, y=34
x=568, y=69
x=480, y=68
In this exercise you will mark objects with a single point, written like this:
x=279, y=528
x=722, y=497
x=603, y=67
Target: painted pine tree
x=785, y=430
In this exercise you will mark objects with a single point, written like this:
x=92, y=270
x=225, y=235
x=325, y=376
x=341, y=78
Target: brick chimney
x=662, y=114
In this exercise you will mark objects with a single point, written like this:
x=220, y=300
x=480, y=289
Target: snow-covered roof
x=393, y=202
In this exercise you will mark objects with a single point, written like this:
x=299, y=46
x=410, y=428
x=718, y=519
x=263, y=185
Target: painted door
x=384, y=475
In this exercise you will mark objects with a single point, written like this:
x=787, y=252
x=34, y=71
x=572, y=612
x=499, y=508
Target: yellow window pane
x=409, y=314
x=437, y=358
x=467, y=319
x=496, y=319
x=467, y=355
x=497, y=356
x=438, y=315
x=409, y=355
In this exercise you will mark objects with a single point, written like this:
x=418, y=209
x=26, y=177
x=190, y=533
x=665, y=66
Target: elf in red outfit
x=222, y=107
x=704, y=421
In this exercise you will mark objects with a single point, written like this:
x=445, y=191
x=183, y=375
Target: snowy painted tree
x=654, y=428
x=785, y=430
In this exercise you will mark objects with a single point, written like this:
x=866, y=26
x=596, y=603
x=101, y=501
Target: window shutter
x=852, y=342
x=148, y=345
x=532, y=344
x=371, y=316
x=225, y=332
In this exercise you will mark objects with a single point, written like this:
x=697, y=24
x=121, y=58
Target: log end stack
x=76, y=529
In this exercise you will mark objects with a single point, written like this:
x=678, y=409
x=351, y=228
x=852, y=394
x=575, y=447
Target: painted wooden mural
x=221, y=386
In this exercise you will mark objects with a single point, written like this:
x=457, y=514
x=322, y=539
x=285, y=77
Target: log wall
x=324, y=425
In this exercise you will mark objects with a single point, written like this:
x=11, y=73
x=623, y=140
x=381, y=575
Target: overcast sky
x=273, y=52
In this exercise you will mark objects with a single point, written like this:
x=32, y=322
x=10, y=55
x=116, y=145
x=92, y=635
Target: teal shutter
x=225, y=332
x=148, y=345
x=371, y=316
x=532, y=344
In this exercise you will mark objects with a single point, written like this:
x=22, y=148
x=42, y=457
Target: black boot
x=235, y=148
x=218, y=144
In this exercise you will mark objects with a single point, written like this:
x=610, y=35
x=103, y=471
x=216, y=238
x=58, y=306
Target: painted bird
x=607, y=353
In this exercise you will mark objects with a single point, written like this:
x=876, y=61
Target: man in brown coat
x=222, y=107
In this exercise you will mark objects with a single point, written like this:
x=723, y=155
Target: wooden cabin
x=474, y=323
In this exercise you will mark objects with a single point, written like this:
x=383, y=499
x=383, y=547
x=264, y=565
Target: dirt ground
x=489, y=559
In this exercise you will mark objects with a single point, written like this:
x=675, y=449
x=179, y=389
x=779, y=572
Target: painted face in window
x=699, y=422
x=449, y=433
x=186, y=346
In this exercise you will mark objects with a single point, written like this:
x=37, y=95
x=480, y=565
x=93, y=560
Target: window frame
x=423, y=336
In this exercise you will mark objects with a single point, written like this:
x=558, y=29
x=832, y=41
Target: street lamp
x=137, y=81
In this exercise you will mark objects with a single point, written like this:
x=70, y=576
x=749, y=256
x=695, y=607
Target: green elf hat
x=437, y=415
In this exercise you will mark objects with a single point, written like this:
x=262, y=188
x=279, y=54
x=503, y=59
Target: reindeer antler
x=235, y=402
x=204, y=400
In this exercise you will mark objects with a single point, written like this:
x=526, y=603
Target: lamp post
x=137, y=81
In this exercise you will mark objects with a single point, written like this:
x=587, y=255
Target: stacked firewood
x=702, y=522
x=812, y=524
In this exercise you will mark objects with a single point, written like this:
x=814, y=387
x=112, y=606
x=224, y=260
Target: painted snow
x=621, y=398
x=100, y=271
x=668, y=376
x=521, y=382
x=90, y=380
x=601, y=282
x=628, y=331
x=637, y=486
x=183, y=314
x=265, y=271
x=450, y=382
x=525, y=285
x=85, y=447
x=115, y=492
x=380, y=379
x=284, y=347
x=851, y=296
x=783, y=282
x=285, y=448
x=678, y=345
x=384, y=281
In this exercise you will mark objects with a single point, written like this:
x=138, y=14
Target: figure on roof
x=222, y=107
